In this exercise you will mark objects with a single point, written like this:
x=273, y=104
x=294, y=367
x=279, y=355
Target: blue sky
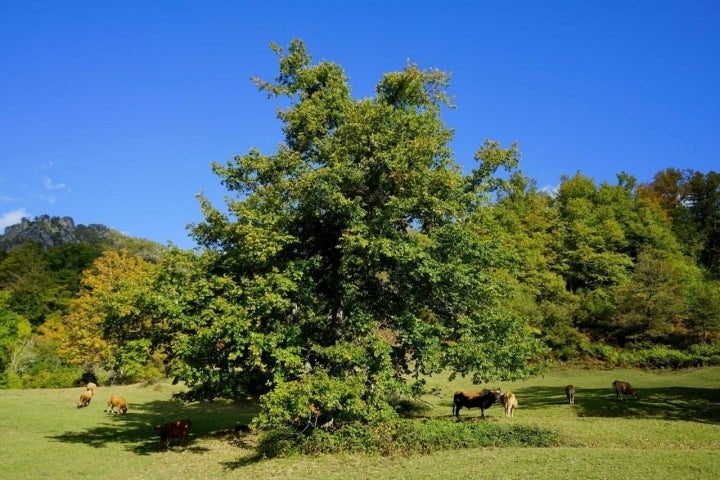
x=111, y=112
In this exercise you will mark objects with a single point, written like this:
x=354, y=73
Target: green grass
x=673, y=431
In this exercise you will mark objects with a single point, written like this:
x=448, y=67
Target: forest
x=358, y=259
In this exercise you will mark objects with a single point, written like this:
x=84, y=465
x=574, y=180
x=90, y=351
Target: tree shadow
x=135, y=429
x=688, y=404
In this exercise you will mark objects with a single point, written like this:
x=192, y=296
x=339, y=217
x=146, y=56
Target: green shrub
x=652, y=356
x=10, y=379
x=59, y=378
x=707, y=354
x=404, y=437
x=659, y=356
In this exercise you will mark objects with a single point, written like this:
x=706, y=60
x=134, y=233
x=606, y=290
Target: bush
x=660, y=356
x=653, y=356
x=707, y=354
x=404, y=437
x=58, y=378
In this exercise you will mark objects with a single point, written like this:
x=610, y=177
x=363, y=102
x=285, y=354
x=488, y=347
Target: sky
x=112, y=112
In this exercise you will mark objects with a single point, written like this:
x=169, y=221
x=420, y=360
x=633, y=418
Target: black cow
x=482, y=399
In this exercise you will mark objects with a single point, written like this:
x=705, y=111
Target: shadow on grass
x=135, y=429
x=667, y=403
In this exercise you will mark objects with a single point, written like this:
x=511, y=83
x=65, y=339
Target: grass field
x=672, y=431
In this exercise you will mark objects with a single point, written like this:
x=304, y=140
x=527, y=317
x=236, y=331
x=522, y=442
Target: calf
x=570, y=394
x=178, y=428
x=91, y=387
x=482, y=399
x=623, y=389
x=85, y=398
x=509, y=401
x=116, y=402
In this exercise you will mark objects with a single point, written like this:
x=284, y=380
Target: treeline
x=621, y=273
x=40, y=284
x=620, y=268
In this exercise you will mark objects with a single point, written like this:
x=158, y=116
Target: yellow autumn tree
x=107, y=312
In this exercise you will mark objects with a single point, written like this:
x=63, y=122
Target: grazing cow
x=91, y=387
x=623, y=389
x=509, y=401
x=85, y=398
x=116, y=402
x=178, y=428
x=482, y=399
x=570, y=394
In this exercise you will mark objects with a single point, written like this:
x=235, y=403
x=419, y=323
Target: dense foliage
x=357, y=258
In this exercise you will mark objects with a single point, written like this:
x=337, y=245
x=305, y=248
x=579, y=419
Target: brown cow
x=623, y=389
x=116, y=402
x=570, y=394
x=91, y=387
x=178, y=428
x=509, y=401
x=85, y=398
x=482, y=399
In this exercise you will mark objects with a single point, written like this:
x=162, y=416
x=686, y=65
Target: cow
x=482, y=399
x=623, y=389
x=509, y=401
x=116, y=402
x=570, y=394
x=91, y=387
x=85, y=398
x=177, y=429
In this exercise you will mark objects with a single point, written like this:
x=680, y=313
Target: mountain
x=57, y=231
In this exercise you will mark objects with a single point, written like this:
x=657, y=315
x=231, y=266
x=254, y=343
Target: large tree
x=354, y=260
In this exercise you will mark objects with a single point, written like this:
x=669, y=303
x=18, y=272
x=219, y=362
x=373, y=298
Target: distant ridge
x=58, y=231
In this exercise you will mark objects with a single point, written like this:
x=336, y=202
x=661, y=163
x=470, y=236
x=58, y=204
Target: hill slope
x=58, y=231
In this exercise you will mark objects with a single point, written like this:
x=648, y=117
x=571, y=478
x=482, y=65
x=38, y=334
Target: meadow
x=672, y=431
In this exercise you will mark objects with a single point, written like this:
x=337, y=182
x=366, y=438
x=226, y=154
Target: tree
x=594, y=253
x=692, y=200
x=15, y=344
x=651, y=306
x=704, y=206
x=24, y=273
x=531, y=227
x=353, y=261
x=704, y=310
x=108, y=324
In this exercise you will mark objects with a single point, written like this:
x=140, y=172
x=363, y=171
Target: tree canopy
x=356, y=257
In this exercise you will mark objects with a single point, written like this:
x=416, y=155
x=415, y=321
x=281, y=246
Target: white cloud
x=11, y=218
x=551, y=190
x=53, y=186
